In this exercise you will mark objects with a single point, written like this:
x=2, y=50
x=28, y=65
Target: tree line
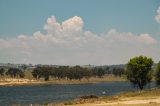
x=138, y=71
x=66, y=72
x=12, y=72
x=63, y=72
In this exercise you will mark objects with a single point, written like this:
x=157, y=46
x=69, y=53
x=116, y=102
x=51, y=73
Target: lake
x=42, y=94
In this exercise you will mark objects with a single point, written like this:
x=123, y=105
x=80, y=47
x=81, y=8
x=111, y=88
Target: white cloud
x=74, y=24
x=67, y=43
x=39, y=36
x=157, y=17
x=147, y=38
x=70, y=27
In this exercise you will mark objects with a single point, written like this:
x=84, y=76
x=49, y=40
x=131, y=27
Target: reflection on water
x=55, y=93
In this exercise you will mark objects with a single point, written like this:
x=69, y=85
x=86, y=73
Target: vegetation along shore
x=134, y=98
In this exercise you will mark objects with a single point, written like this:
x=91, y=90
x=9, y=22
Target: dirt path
x=127, y=102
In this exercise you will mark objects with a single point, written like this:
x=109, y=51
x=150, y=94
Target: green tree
x=87, y=73
x=157, y=77
x=46, y=74
x=117, y=72
x=21, y=74
x=36, y=73
x=15, y=72
x=77, y=72
x=98, y=72
x=138, y=71
x=60, y=72
x=2, y=71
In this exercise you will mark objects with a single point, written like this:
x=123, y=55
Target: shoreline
x=48, y=83
x=132, y=98
x=58, y=82
x=25, y=82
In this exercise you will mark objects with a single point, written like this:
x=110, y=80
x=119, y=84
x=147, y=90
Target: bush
x=89, y=97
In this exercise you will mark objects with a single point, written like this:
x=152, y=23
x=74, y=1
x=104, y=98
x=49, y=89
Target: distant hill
x=86, y=66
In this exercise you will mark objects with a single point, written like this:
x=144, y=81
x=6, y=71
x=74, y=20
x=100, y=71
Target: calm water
x=42, y=94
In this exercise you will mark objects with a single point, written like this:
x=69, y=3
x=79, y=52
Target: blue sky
x=71, y=32
x=28, y=16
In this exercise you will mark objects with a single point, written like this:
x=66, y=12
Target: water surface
x=41, y=94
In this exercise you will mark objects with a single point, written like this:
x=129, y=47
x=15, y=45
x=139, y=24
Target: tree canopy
x=66, y=72
x=138, y=71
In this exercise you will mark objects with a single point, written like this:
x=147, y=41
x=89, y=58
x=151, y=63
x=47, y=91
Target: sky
x=72, y=32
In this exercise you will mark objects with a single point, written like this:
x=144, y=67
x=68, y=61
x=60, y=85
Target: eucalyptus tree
x=138, y=71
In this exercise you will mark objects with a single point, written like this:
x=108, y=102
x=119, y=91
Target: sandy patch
x=16, y=81
x=155, y=100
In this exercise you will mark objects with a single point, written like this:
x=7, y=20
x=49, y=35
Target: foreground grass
x=137, y=98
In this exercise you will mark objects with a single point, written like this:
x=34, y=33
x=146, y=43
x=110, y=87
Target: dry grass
x=143, y=98
x=28, y=76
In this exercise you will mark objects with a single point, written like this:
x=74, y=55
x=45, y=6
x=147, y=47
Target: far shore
x=25, y=81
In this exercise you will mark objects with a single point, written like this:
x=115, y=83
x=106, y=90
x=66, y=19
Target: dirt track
x=154, y=101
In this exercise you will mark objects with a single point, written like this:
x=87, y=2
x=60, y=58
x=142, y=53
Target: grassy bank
x=28, y=80
x=143, y=98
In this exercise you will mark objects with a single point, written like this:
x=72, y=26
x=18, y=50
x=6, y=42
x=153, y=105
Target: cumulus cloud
x=67, y=43
x=157, y=17
x=70, y=27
